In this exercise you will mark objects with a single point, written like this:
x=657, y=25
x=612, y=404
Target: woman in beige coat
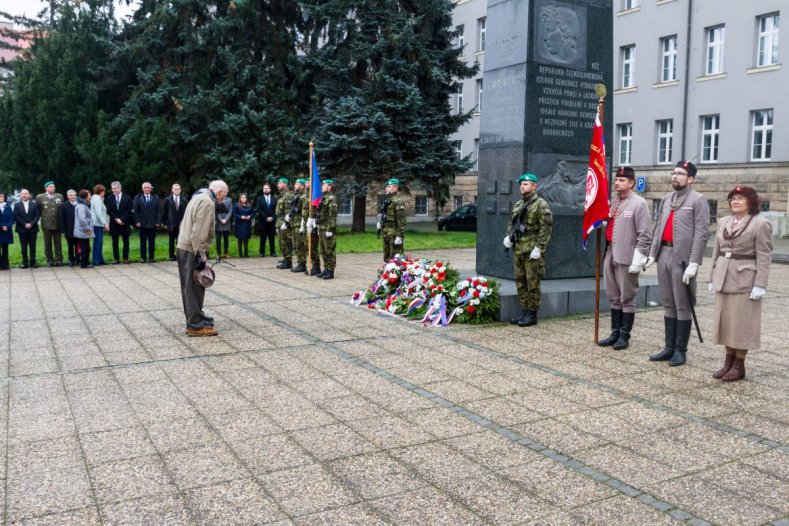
x=740, y=267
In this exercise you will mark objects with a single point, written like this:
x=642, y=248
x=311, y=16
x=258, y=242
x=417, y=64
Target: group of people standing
x=740, y=263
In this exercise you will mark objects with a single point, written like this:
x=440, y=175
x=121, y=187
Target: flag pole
x=309, y=200
x=601, y=93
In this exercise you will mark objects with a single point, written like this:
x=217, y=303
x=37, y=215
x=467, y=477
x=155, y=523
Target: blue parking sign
x=641, y=184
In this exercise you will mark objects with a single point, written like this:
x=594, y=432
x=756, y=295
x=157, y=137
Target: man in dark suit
x=146, y=219
x=119, y=210
x=172, y=215
x=26, y=217
x=267, y=216
x=66, y=222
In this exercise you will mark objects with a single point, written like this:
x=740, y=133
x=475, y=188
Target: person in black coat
x=172, y=215
x=26, y=217
x=6, y=230
x=119, y=210
x=66, y=222
x=267, y=217
x=146, y=219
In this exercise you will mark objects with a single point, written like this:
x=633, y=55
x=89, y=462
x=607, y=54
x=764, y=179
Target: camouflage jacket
x=394, y=216
x=283, y=207
x=327, y=213
x=535, y=226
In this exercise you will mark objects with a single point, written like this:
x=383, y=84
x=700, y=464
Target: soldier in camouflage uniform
x=529, y=231
x=327, y=229
x=309, y=214
x=283, y=223
x=393, y=220
x=49, y=204
x=297, y=221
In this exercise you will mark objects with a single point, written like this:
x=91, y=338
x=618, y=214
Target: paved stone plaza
x=306, y=410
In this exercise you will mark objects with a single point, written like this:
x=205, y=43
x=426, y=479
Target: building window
x=476, y=154
x=345, y=205
x=713, y=204
x=481, y=34
x=628, y=66
x=458, y=145
x=668, y=59
x=768, y=40
x=458, y=201
x=459, y=105
x=714, y=60
x=625, y=143
x=665, y=138
x=710, y=138
x=762, y=135
x=765, y=206
x=420, y=205
x=479, y=95
x=629, y=4
x=460, y=40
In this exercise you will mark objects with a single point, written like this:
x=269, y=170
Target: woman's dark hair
x=84, y=193
x=754, y=203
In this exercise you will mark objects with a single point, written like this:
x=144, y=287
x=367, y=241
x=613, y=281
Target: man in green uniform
x=393, y=220
x=309, y=214
x=49, y=203
x=327, y=229
x=529, y=231
x=297, y=229
x=283, y=223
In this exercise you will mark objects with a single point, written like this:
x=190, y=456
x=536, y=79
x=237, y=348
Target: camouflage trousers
x=528, y=275
x=390, y=249
x=299, y=241
x=328, y=251
x=285, y=243
x=315, y=260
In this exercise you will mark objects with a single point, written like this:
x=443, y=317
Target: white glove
x=329, y=234
x=757, y=293
x=311, y=224
x=690, y=273
x=378, y=225
x=638, y=263
x=309, y=229
x=507, y=242
x=710, y=287
x=398, y=241
x=287, y=218
x=283, y=227
x=535, y=253
x=301, y=229
x=649, y=262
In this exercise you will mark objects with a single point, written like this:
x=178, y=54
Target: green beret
x=527, y=177
x=301, y=181
x=282, y=180
x=328, y=181
x=393, y=181
x=48, y=183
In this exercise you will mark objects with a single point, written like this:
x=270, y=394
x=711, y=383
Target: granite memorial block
x=543, y=59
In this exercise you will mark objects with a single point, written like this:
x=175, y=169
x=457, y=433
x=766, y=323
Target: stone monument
x=543, y=59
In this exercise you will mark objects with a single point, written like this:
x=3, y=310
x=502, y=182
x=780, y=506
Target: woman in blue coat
x=6, y=234
x=243, y=212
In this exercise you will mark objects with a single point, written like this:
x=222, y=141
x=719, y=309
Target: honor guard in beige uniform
x=628, y=236
x=681, y=233
x=49, y=204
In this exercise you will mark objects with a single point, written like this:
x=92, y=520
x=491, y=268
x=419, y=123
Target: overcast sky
x=31, y=8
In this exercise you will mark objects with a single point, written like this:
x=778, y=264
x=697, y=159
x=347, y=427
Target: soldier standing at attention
x=310, y=215
x=327, y=229
x=48, y=204
x=628, y=235
x=393, y=220
x=297, y=221
x=681, y=233
x=529, y=230
x=283, y=223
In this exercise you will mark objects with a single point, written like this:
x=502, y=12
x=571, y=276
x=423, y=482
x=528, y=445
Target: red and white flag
x=596, y=206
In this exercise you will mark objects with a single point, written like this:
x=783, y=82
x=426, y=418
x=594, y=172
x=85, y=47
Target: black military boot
x=624, y=331
x=519, y=317
x=528, y=320
x=681, y=343
x=670, y=330
x=285, y=265
x=616, y=322
x=301, y=267
x=328, y=274
x=315, y=270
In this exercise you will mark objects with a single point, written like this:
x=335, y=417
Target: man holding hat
x=283, y=223
x=628, y=236
x=393, y=220
x=681, y=233
x=327, y=229
x=528, y=231
x=297, y=221
x=49, y=204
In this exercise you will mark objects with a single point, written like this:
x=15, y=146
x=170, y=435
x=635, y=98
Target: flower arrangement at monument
x=431, y=292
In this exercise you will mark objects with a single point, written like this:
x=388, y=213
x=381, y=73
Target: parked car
x=463, y=218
